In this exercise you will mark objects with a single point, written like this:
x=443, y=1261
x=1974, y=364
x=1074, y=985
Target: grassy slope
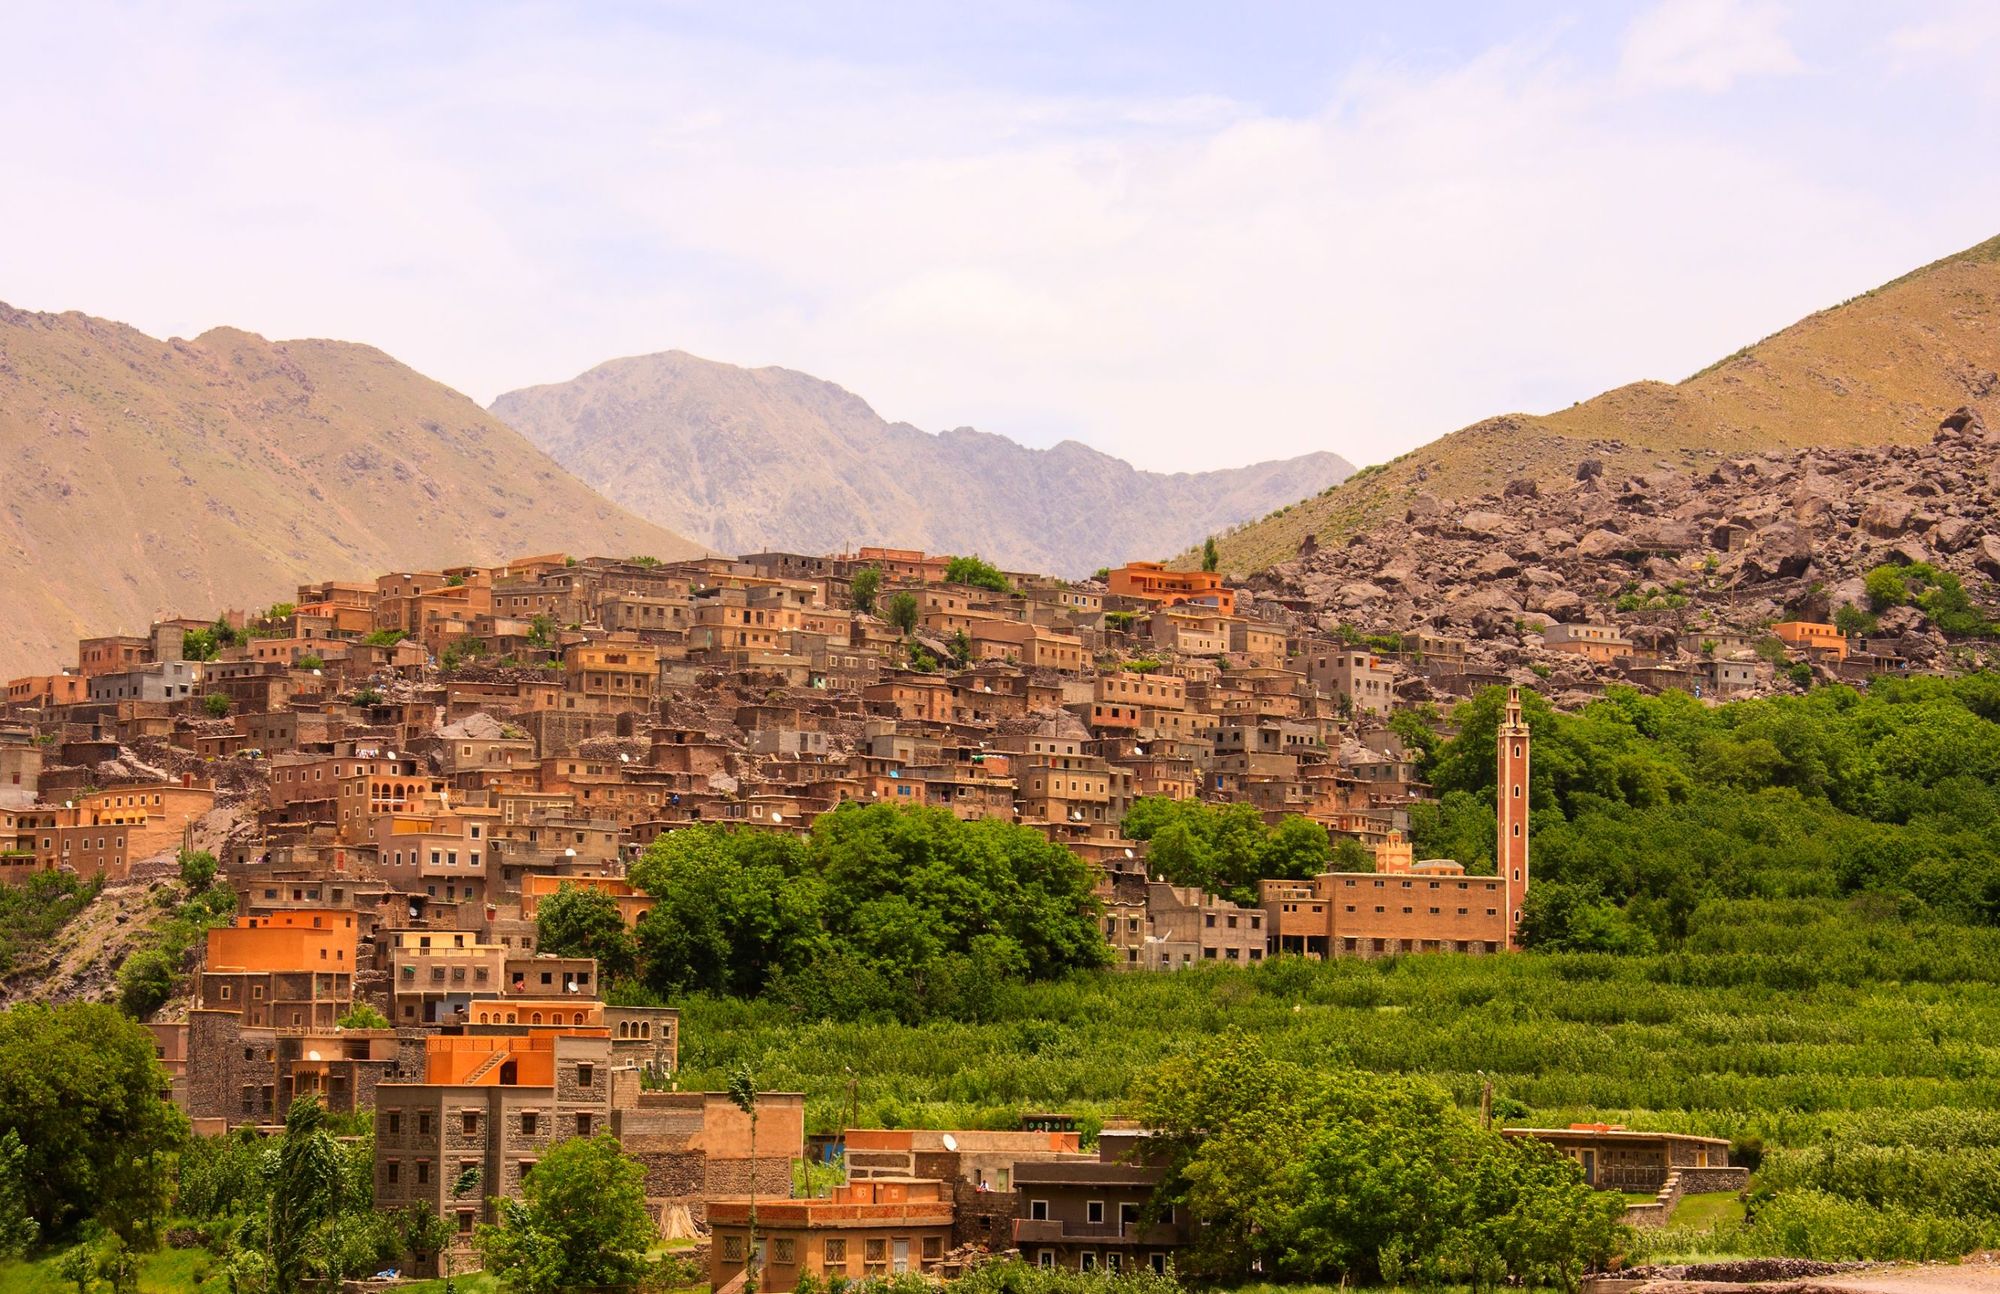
x=1881, y=368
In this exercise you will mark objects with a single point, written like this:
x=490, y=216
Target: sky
x=1193, y=235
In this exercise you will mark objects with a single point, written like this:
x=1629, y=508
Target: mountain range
x=746, y=459
x=148, y=478
x=1882, y=368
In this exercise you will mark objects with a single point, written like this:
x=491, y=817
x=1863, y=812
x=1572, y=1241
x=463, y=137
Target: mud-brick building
x=697, y=1147
x=1094, y=1215
x=1616, y=1158
x=876, y=1227
x=487, y=1110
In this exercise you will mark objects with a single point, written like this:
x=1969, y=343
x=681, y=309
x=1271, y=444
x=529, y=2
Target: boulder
x=1496, y=565
x=1522, y=487
x=1986, y=555
x=1590, y=469
x=1600, y=544
x=1484, y=524
x=1561, y=603
x=1424, y=506
x=1963, y=421
x=1780, y=551
x=1953, y=533
x=1887, y=518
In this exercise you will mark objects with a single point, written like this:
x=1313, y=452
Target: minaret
x=1511, y=851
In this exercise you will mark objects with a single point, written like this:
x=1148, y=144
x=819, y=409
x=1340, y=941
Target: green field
x=1856, y=1049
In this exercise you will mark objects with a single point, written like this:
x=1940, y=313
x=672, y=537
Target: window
x=1045, y=1258
x=833, y=1253
x=933, y=1248
x=784, y=1250
x=875, y=1250
x=583, y=1125
x=1128, y=1215
x=392, y=1172
x=1038, y=1210
x=423, y=1172
x=471, y=1123
x=1088, y=1263
x=1159, y=1264
x=424, y=1125
x=1095, y=1211
x=528, y=1123
x=585, y=1074
x=395, y=1123
x=732, y=1249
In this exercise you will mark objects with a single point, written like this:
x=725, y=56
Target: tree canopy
x=581, y=1222
x=80, y=1088
x=580, y=922
x=1652, y=804
x=976, y=572
x=1224, y=848
x=899, y=911
x=1292, y=1173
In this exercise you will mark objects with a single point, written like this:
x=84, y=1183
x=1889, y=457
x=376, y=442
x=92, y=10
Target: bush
x=145, y=982
x=217, y=704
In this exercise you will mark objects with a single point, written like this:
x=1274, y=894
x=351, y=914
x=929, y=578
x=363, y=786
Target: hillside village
x=396, y=776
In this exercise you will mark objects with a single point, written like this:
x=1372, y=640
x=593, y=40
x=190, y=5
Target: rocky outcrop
x=1670, y=557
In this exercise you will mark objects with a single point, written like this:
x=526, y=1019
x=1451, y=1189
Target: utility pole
x=1486, y=1104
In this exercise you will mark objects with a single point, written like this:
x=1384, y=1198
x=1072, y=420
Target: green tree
x=310, y=660
x=146, y=981
x=581, y=1222
x=80, y=1090
x=18, y=1228
x=867, y=582
x=1210, y=559
x=384, y=638
x=198, y=868
x=977, y=573
x=217, y=704
x=577, y=921
x=904, y=612
x=305, y=1193
x=362, y=1016
x=1853, y=621
x=542, y=630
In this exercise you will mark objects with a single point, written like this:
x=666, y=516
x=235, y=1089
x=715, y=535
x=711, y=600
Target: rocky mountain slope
x=746, y=459
x=148, y=478
x=1882, y=368
x=1672, y=556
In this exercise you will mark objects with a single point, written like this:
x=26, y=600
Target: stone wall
x=1702, y=1181
x=983, y=1217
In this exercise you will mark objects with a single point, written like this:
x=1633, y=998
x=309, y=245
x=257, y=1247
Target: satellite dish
x=312, y=1055
x=1128, y=853
x=777, y=817
x=569, y=853
x=950, y=1142
x=624, y=758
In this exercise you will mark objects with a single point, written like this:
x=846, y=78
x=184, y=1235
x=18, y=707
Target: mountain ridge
x=743, y=458
x=1882, y=367
x=155, y=477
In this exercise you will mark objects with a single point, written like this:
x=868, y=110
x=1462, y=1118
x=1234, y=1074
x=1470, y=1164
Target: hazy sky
x=1191, y=234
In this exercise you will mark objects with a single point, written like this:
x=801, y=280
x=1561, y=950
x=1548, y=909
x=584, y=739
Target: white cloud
x=1186, y=281
x=1706, y=45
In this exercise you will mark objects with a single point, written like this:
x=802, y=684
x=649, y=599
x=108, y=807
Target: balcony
x=1055, y=1231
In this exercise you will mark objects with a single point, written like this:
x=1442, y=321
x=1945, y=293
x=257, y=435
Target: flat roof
x=1612, y=1134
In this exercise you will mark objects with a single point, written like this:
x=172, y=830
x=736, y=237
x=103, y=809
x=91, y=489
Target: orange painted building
x=537, y=886
x=299, y=939
x=1806, y=635
x=1153, y=582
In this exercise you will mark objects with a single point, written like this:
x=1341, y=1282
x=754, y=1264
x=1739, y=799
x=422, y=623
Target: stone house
x=487, y=1109
x=1600, y=644
x=1092, y=1216
x=1616, y=1158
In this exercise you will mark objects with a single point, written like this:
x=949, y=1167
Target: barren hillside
x=745, y=459
x=150, y=478
x=1883, y=368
